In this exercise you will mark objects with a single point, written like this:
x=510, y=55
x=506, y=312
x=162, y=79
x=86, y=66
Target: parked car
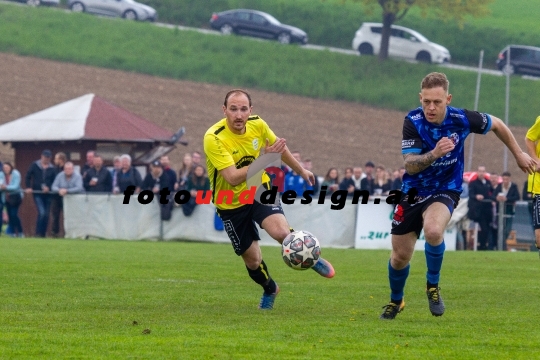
x=523, y=60
x=258, y=24
x=127, y=9
x=404, y=43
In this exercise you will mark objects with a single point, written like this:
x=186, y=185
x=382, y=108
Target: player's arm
x=531, y=141
x=414, y=163
x=288, y=159
x=234, y=176
x=524, y=161
x=411, y=146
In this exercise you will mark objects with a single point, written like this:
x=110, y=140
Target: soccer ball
x=300, y=250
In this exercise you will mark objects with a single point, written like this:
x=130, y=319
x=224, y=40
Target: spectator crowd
x=49, y=179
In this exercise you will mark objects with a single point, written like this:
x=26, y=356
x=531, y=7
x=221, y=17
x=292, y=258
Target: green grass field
x=99, y=299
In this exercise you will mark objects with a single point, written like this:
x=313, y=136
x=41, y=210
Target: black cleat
x=391, y=310
x=436, y=303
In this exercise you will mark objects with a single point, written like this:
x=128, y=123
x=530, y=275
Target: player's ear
x=420, y=97
x=224, y=108
x=448, y=99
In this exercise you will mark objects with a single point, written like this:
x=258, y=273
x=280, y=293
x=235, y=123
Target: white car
x=404, y=43
x=127, y=9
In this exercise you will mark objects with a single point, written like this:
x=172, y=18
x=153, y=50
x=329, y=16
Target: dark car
x=258, y=24
x=523, y=60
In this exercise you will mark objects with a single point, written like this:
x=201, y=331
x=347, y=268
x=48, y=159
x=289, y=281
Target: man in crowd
x=368, y=182
x=508, y=192
x=38, y=181
x=68, y=181
x=347, y=183
x=357, y=177
x=89, y=162
x=480, y=209
x=98, y=178
x=127, y=176
x=173, y=180
x=60, y=159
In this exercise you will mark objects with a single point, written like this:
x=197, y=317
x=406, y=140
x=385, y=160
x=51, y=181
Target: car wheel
x=365, y=49
x=284, y=38
x=77, y=7
x=423, y=56
x=508, y=69
x=130, y=15
x=226, y=29
x=33, y=2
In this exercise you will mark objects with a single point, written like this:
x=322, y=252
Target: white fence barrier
x=364, y=226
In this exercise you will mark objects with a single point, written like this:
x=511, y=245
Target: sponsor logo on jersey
x=416, y=117
x=445, y=163
x=457, y=115
x=484, y=121
x=244, y=161
x=405, y=144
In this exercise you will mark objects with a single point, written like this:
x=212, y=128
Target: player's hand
x=308, y=177
x=278, y=147
x=443, y=147
x=526, y=163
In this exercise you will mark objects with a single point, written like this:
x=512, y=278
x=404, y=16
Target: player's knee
x=252, y=263
x=400, y=259
x=433, y=233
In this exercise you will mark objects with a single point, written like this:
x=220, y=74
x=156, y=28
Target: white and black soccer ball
x=300, y=250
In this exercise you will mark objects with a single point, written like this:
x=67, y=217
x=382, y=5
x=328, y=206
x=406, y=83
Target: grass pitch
x=180, y=300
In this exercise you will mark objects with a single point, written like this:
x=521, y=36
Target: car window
x=376, y=29
x=407, y=35
x=537, y=56
x=396, y=33
x=241, y=15
x=258, y=19
x=521, y=54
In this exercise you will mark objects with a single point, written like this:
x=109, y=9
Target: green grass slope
x=237, y=61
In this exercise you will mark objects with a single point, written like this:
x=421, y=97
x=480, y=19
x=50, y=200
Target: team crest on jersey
x=398, y=215
x=455, y=138
x=255, y=144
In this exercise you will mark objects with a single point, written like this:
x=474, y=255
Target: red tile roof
x=110, y=122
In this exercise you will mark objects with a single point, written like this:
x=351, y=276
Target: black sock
x=397, y=302
x=430, y=285
x=262, y=277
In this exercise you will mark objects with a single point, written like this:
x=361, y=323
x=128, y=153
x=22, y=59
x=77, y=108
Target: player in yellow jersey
x=532, y=140
x=231, y=145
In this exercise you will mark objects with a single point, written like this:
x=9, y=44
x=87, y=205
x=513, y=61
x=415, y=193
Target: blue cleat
x=324, y=268
x=267, y=300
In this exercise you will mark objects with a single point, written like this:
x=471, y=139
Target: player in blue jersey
x=432, y=147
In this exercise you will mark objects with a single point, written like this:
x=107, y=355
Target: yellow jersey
x=224, y=148
x=533, y=134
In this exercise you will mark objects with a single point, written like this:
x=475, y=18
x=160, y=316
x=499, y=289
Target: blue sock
x=397, y=281
x=434, y=258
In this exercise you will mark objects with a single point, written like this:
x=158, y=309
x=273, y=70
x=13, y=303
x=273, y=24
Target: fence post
x=500, y=228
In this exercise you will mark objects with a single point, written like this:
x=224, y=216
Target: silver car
x=127, y=9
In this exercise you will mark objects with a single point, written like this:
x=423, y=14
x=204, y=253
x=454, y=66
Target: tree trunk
x=388, y=20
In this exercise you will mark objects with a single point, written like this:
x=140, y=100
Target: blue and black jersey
x=420, y=136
